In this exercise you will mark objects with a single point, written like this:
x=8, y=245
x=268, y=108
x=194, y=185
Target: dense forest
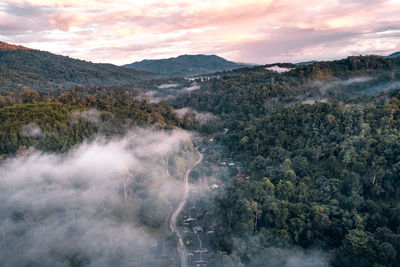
x=255, y=91
x=319, y=147
x=57, y=122
x=322, y=176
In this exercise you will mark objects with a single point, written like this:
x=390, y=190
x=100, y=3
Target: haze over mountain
x=186, y=65
x=21, y=66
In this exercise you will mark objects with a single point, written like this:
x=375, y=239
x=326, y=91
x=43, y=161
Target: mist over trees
x=316, y=180
x=323, y=176
x=71, y=210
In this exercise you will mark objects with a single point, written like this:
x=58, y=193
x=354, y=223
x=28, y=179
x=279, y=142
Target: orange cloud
x=248, y=30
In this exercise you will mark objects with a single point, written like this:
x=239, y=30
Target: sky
x=251, y=31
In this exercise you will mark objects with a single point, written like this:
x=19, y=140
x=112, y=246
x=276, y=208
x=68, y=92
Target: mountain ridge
x=395, y=54
x=23, y=67
x=7, y=46
x=186, y=65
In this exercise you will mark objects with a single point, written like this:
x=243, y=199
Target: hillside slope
x=186, y=65
x=254, y=91
x=22, y=67
x=395, y=54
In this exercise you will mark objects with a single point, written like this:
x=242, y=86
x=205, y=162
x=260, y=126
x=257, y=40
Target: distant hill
x=186, y=65
x=306, y=63
x=23, y=67
x=396, y=54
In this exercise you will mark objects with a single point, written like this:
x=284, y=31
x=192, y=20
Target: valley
x=268, y=165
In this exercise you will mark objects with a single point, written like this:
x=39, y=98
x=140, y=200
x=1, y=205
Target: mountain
x=306, y=63
x=186, y=65
x=23, y=67
x=395, y=54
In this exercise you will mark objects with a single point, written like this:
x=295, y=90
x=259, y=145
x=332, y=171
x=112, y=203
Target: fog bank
x=85, y=207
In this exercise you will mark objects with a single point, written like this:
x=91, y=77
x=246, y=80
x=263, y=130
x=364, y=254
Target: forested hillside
x=82, y=142
x=317, y=149
x=44, y=71
x=321, y=176
x=254, y=91
x=56, y=123
x=186, y=65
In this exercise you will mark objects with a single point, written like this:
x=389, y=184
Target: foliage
x=249, y=92
x=332, y=181
x=48, y=72
x=72, y=117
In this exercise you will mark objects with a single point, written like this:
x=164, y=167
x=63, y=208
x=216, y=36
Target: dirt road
x=172, y=223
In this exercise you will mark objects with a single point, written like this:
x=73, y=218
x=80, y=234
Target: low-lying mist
x=200, y=117
x=100, y=204
x=260, y=253
x=169, y=91
x=32, y=130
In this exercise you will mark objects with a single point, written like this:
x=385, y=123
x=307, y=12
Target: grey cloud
x=285, y=42
x=288, y=43
x=14, y=29
x=25, y=20
x=27, y=10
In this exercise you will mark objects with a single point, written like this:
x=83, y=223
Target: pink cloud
x=122, y=31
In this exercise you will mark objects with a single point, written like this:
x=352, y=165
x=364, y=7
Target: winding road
x=172, y=224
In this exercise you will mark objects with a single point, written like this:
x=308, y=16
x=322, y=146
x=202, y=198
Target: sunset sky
x=253, y=31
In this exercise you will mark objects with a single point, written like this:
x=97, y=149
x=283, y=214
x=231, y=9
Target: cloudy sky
x=254, y=31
